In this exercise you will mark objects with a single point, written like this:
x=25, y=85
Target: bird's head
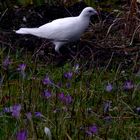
x=88, y=12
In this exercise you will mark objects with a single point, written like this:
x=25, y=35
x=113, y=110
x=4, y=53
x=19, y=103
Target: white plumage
x=63, y=30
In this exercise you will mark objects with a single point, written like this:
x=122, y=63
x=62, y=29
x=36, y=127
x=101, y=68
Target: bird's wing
x=60, y=29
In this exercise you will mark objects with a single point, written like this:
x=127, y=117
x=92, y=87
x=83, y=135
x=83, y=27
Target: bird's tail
x=27, y=31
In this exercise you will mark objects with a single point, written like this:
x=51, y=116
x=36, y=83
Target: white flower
x=48, y=133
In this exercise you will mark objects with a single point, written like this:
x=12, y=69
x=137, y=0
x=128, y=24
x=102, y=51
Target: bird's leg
x=58, y=45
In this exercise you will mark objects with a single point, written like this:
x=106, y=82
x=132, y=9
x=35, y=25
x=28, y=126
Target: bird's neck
x=84, y=18
x=83, y=15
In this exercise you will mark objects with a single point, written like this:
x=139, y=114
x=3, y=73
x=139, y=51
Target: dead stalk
x=137, y=28
x=3, y=14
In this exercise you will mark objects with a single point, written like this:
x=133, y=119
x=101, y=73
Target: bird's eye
x=90, y=11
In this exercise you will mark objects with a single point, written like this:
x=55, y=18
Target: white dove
x=63, y=30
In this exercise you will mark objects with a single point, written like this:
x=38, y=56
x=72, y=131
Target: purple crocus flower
x=21, y=135
x=109, y=87
x=8, y=109
x=46, y=80
x=128, y=85
x=6, y=62
x=61, y=96
x=38, y=114
x=16, y=111
x=92, y=130
x=66, y=99
x=47, y=94
x=21, y=67
x=107, y=106
x=68, y=75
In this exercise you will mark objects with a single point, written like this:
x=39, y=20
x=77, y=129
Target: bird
x=63, y=30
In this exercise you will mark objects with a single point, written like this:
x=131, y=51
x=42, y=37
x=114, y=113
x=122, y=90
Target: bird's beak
x=95, y=12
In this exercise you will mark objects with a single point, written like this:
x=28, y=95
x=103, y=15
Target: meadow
x=93, y=95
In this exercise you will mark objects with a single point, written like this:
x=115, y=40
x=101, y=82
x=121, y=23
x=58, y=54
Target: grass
x=113, y=113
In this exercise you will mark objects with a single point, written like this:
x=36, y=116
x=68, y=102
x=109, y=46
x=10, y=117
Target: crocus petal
x=109, y=87
x=22, y=135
